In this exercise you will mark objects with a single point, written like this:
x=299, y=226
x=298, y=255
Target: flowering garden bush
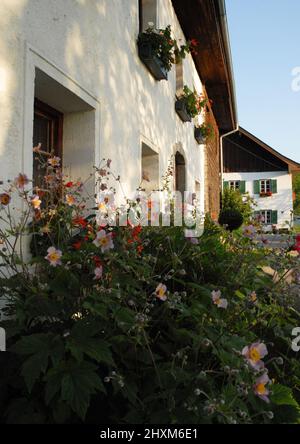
x=138, y=324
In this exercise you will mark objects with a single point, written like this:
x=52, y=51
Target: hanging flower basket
x=203, y=133
x=181, y=109
x=147, y=54
x=189, y=105
x=159, y=51
x=200, y=138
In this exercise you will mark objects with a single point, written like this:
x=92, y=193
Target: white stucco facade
x=80, y=57
x=280, y=201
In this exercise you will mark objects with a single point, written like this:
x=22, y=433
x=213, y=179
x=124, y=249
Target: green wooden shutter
x=274, y=186
x=256, y=215
x=275, y=217
x=256, y=187
x=242, y=186
x=226, y=185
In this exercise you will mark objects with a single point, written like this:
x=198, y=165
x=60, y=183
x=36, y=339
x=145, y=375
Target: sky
x=265, y=44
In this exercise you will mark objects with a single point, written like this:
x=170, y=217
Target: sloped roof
x=205, y=21
x=293, y=166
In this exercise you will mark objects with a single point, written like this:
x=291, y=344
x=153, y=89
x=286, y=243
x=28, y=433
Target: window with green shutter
x=236, y=185
x=275, y=217
x=274, y=186
x=257, y=187
x=266, y=217
x=242, y=186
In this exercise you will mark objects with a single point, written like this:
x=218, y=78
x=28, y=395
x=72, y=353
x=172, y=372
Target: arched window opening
x=180, y=174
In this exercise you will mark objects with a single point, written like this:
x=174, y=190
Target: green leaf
x=240, y=295
x=33, y=367
x=125, y=318
x=29, y=345
x=65, y=283
x=282, y=395
x=82, y=342
x=86, y=328
x=78, y=385
x=53, y=385
x=96, y=309
x=40, y=348
x=94, y=348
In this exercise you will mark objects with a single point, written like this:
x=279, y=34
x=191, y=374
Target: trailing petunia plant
x=132, y=324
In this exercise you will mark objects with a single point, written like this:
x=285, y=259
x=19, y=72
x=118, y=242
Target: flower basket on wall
x=147, y=54
x=181, y=109
x=200, y=138
x=203, y=133
x=189, y=105
x=159, y=51
x=267, y=194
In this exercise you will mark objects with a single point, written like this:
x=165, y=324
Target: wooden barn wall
x=244, y=155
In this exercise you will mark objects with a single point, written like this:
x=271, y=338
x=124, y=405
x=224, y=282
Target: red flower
x=194, y=42
x=69, y=185
x=97, y=261
x=140, y=248
x=77, y=245
x=80, y=221
x=41, y=193
x=136, y=231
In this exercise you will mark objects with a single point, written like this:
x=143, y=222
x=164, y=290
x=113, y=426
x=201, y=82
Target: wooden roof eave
x=293, y=167
x=205, y=21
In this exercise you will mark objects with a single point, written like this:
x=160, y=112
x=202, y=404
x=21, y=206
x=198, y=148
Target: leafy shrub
x=233, y=200
x=232, y=219
x=142, y=325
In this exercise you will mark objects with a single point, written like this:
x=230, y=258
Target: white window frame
x=267, y=215
x=235, y=185
x=265, y=186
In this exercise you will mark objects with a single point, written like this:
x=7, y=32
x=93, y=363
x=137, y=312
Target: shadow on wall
x=111, y=71
x=11, y=82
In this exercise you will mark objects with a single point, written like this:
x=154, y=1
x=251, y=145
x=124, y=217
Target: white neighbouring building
x=71, y=79
x=253, y=167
